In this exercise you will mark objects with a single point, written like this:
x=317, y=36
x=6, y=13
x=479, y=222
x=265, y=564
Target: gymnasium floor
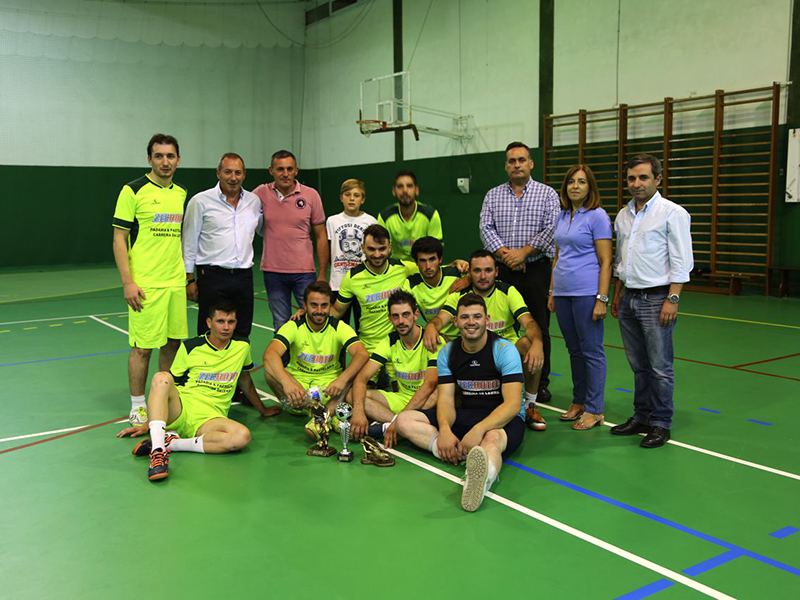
x=578, y=515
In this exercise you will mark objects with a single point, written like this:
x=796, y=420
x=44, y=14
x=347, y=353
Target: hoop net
x=370, y=126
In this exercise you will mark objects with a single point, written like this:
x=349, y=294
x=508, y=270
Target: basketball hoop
x=370, y=126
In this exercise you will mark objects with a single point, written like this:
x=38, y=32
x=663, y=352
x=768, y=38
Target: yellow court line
x=6, y=331
x=739, y=320
x=56, y=325
x=28, y=328
x=76, y=322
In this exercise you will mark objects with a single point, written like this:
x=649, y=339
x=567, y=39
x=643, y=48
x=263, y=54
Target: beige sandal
x=587, y=421
x=573, y=412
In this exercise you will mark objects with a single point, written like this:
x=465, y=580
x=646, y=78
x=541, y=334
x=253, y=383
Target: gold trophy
x=321, y=425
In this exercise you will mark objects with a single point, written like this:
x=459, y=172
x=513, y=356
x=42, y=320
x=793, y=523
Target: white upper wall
x=678, y=49
x=463, y=64
x=88, y=83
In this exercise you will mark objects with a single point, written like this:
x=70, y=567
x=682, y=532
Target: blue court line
x=760, y=422
x=653, y=517
x=716, y=412
x=785, y=532
x=31, y=362
x=623, y=390
x=693, y=571
x=556, y=374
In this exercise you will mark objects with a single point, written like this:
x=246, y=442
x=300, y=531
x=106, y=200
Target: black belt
x=659, y=289
x=223, y=269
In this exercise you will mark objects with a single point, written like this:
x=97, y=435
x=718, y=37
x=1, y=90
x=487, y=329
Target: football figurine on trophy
x=343, y=412
x=374, y=454
x=321, y=425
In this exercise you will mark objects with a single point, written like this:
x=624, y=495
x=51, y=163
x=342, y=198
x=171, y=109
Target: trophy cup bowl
x=343, y=412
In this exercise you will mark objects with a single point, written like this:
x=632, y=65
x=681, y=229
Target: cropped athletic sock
x=530, y=399
x=194, y=444
x=137, y=401
x=157, y=434
x=492, y=473
x=434, y=448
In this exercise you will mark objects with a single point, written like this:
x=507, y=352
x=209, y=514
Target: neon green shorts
x=307, y=382
x=163, y=316
x=397, y=400
x=193, y=416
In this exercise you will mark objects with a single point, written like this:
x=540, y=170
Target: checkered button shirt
x=514, y=223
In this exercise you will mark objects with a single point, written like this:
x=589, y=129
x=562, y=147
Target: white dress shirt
x=654, y=246
x=214, y=233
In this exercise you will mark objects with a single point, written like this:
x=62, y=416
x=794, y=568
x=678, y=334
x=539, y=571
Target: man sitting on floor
x=485, y=372
x=414, y=371
x=314, y=345
x=188, y=406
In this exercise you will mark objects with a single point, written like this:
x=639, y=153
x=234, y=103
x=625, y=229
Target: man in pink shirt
x=292, y=215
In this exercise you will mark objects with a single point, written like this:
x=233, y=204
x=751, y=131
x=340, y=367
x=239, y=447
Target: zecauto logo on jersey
x=167, y=218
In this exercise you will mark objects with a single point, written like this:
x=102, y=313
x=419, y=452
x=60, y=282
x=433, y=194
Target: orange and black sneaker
x=159, y=465
x=144, y=447
x=533, y=419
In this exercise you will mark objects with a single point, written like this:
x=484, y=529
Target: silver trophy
x=343, y=412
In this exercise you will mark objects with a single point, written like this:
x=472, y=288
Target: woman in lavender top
x=579, y=291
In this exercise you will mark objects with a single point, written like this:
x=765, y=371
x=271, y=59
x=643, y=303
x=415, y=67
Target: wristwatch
x=188, y=281
x=602, y=298
x=674, y=298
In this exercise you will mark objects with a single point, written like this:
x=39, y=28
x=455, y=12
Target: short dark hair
x=233, y=156
x=426, y=245
x=481, y=253
x=379, y=233
x=471, y=299
x=513, y=145
x=401, y=297
x=162, y=138
x=320, y=287
x=221, y=304
x=282, y=154
x=644, y=159
x=405, y=173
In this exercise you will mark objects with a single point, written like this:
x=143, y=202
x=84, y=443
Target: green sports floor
x=574, y=515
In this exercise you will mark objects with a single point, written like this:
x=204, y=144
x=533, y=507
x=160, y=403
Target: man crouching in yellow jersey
x=188, y=406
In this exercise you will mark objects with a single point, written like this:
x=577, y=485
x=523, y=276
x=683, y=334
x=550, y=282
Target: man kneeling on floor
x=414, y=371
x=188, y=406
x=481, y=373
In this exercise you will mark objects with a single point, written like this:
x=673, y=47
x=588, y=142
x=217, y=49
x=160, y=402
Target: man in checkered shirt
x=517, y=224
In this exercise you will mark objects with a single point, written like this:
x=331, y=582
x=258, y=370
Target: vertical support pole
x=397, y=37
x=719, y=115
x=546, y=49
x=667, y=145
x=545, y=138
x=582, y=136
x=773, y=175
x=622, y=159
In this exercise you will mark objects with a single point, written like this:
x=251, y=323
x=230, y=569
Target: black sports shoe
x=144, y=447
x=544, y=395
x=375, y=431
x=159, y=465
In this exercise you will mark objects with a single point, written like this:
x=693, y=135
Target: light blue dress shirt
x=654, y=246
x=214, y=233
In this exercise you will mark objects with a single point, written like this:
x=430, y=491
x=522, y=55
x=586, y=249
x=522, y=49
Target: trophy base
x=344, y=456
x=323, y=452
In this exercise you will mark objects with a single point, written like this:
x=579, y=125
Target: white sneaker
x=476, y=479
x=138, y=416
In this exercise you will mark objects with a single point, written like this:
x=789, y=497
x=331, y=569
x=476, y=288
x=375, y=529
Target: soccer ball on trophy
x=344, y=411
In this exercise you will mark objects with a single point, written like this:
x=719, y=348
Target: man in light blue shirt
x=218, y=231
x=653, y=261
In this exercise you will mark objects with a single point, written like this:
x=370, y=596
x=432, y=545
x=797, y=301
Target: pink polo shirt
x=287, y=228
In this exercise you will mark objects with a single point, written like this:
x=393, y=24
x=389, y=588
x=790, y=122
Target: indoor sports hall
x=361, y=89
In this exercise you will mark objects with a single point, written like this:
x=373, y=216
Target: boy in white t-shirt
x=346, y=233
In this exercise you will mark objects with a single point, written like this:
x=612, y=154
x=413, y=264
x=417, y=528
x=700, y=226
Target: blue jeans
x=584, y=339
x=280, y=287
x=648, y=346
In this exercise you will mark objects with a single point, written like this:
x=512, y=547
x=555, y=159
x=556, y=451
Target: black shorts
x=467, y=418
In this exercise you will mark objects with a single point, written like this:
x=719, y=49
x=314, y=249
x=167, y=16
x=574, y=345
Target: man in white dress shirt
x=218, y=231
x=653, y=261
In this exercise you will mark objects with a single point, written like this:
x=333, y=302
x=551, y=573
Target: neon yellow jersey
x=315, y=354
x=206, y=376
x=372, y=291
x=504, y=307
x=153, y=215
x=409, y=365
x=424, y=221
x=430, y=299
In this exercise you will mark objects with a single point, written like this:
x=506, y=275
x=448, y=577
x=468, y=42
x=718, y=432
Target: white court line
x=54, y=432
x=733, y=459
x=107, y=324
x=629, y=556
x=63, y=318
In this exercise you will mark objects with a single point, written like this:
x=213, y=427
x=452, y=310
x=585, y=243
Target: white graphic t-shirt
x=346, y=235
